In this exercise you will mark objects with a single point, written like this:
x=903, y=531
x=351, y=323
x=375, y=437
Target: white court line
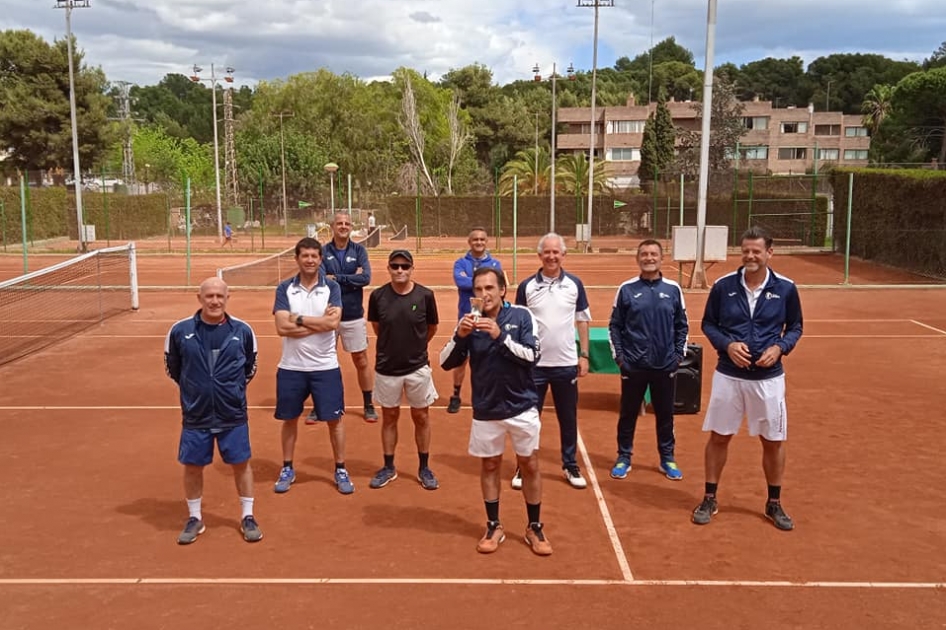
x=807, y=336
x=605, y=513
x=942, y=332
x=466, y=582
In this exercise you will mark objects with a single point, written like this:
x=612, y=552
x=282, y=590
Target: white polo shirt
x=556, y=303
x=752, y=295
x=315, y=352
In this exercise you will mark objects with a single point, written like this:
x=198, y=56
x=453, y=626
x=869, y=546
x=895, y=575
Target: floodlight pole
x=594, y=78
x=282, y=152
x=69, y=5
x=213, y=99
x=552, y=158
x=699, y=273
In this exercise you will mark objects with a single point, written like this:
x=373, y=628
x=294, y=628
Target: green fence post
x=515, y=226
x=655, y=209
x=262, y=213
x=28, y=226
x=252, y=234
x=417, y=210
x=3, y=224
x=735, y=203
x=749, y=212
x=108, y=238
x=847, y=236
x=26, y=261
x=814, y=201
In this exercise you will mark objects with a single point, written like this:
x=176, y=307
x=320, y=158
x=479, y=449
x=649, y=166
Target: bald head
x=213, y=283
x=213, y=295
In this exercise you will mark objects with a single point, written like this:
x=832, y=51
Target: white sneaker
x=517, y=480
x=574, y=478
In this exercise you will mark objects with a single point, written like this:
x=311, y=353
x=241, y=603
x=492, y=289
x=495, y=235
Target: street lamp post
x=538, y=77
x=330, y=168
x=69, y=5
x=594, y=78
x=213, y=89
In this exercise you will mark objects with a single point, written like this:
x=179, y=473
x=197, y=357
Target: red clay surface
x=93, y=490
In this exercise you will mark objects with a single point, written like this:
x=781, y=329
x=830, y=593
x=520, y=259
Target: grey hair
x=552, y=235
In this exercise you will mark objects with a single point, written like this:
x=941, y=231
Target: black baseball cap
x=401, y=253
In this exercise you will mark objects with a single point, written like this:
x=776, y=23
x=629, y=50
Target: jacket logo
x=637, y=295
x=772, y=296
x=509, y=327
x=350, y=259
x=330, y=257
x=235, y=338
x=188, y=335
x=732, y=294
x=663, y=295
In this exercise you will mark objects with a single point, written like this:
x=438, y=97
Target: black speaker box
x=687, y=395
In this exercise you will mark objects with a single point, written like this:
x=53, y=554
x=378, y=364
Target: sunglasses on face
x=403, y=266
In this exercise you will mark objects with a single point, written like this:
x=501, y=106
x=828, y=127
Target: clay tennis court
x=93, y=498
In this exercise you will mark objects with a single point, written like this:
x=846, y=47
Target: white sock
x=246, y=503
x=193, y=506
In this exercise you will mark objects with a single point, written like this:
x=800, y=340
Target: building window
x=586, y=128
x=754, y=153
x=828, y=154
x=755, y=122
x=626, y=126
x=855, y=132
x=795, y=127
x=792, y=153
x=828, y=130
x=626, y=154
x=855, y=154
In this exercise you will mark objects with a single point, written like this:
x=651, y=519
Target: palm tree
x=531, y=180
x=572, y=174
x=876, y=107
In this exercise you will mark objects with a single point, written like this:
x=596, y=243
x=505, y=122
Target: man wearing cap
x=404, y=317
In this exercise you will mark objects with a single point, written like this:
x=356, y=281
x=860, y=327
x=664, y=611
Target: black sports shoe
x=775, y=513
x=705, y=511
x=454, y=406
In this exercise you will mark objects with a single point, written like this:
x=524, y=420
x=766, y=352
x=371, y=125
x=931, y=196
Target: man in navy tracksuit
x=753, y=318
x=648, y=333
x=502, y=345
x=212, y=358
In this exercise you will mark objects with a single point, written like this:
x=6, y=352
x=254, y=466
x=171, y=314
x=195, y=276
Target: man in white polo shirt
x=307, y=311
x=559, y=303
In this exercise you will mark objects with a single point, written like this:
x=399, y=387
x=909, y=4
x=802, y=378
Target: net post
x=133, y=274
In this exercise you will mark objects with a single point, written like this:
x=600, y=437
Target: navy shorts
x=294, y=388
x=197, y=445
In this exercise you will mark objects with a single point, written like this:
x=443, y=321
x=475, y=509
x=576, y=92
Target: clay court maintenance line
x=463, y=582
x=942, y=332
x=605, y=513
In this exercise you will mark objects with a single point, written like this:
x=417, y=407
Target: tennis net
x=44, y=307
x=265, y=272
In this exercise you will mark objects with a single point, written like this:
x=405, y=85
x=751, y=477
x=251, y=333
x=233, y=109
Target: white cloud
x=141, y=42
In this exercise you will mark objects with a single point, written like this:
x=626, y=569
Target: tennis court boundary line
x=183, y=581
x=927, y=326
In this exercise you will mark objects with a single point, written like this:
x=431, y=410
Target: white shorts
x=488, y=437
x=762, y=403
x=417, y=387
x=354, y=335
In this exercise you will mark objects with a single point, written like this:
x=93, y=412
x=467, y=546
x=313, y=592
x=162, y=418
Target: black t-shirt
x=402, y=328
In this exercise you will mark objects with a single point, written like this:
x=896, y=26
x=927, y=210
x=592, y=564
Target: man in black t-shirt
x=404, y=317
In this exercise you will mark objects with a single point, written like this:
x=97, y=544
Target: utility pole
x=69, y=5
x=213, y=99
x=282, y=152
x=229, y=150
x=128, y=151
x=596, y=4
x=535, y=182
x=699, y=272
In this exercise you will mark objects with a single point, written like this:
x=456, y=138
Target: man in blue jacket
x=346, y=262
x=753, y=318
x=648, y=333
x=502, y=346
x=212, y=358
x=463, y=269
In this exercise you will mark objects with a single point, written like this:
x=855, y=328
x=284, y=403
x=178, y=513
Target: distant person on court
x=228, y=235
x=307, y=312
x=753, y=318
x=463, y=269
x=648, y=334
x=346, y=262
x=404, y=317
x=559, y=303
x=212, y=357
x=371, y=221
x=503, y=349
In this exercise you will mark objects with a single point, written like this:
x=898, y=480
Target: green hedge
x=898, y=217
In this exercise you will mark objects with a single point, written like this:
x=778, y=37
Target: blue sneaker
x=672, y=471
x=383, y=477
x=621, y=467
x=287, y=477
x=427, y=479
x=343, y=481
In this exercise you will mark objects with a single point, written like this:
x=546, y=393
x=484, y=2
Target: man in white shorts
x=346, y=262
x=753, y=318
x=501, y=343
x=404, y=317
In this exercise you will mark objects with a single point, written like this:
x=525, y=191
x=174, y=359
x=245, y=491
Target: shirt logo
x=350, y=259
x=663, y=295
x=235, y=338
x=637, y=295
x=732, y=294
x=413, y=307
x=772, y=296
x=330, y=257
x=188, y=336
x=509, y=327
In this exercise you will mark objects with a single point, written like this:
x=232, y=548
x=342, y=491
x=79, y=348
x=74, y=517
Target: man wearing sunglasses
x=404, y=317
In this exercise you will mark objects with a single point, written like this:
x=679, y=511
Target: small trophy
x=476, y=307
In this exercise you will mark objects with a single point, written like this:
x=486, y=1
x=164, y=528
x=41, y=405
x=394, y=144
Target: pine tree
x=666, y=134
x=650, y=153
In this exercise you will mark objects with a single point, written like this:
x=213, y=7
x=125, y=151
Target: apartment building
x=777, y=140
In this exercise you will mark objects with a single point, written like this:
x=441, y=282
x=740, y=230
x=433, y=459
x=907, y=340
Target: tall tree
x=530, y=170
x=851, y=77
x=459, y=136
x=876, y=107
x=657, y=149
x=726, y=129
x=937, y=59
x=777, y=80
x=35, y=125
x=920, y=98
x=414, y=130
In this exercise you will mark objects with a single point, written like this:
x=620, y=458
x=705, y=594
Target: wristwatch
x=299, y=320
x=583, y=355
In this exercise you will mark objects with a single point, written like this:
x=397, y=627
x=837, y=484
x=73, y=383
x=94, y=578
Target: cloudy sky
x=142, y=40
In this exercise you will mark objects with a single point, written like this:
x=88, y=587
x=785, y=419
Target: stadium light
x=69, y=5
x=213, y=79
